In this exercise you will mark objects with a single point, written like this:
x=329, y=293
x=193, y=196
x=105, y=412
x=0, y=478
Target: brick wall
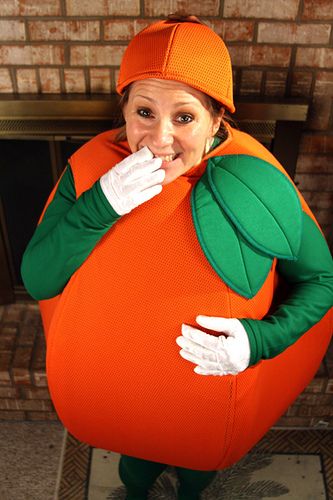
x=278, y=48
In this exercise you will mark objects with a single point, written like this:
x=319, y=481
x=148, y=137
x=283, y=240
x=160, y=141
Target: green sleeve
x=70, y=229
x=310, y=280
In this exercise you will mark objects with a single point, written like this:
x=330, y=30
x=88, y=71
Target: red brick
x=324, y=84
x=74, y=80
x=301, y=83
x=314, y=57
x=307, y=399
x=317, y=9
x=12, y=30
x=12, y=415
x=292, y=411
x=50, y=80
x=316, y=144
x=30, y=8
x=6, y=85
x=329, y=388
x=64, y=30
x=122, y=29
x=32, y=392
x=247, y=55
x=316, y=385
x=21, y=365
x=38, y=363
x=233, y=31
x=13, y=313
x=25, y=404
x=39, y=378
x=323, y=399
x=163, y=8
x=86, y=8
x=319, y=200
x=124, y=8
x=32, y=316
x=293, y=422
x=279, y=9
x=319, y=113
x=9, y=392
x=26, y=81
x=275, y=84
x=321, y=411
x=100, y=80
x=103, y=8
x=8, y=337
x=35, y=405
x=41, y=415
x=5, y=362
x=304, y=411
x=294, y=33
x=96, y=55
x=27, y=335
x=307, y=182
x=324, y=217
x=31, y=54
x=251, y=82
x=319, y=164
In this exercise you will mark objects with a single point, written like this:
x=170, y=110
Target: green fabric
x=242, y=207
x=233, y=259
x=260, y=201
x=139, y=475
x=68, y=233
x=310, y=297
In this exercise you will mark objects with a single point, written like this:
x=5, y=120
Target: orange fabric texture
x=114, y=371
x=158, y=52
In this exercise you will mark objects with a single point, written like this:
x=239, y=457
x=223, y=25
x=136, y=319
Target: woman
x=156, y=232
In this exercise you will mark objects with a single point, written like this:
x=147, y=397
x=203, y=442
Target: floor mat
x=286, y=464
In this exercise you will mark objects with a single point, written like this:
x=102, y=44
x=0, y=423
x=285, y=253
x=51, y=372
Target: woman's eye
x=144, y=112
x=185, y=118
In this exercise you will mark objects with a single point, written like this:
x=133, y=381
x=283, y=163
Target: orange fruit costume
x=114, y=372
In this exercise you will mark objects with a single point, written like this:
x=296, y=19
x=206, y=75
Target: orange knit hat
x=188, y=52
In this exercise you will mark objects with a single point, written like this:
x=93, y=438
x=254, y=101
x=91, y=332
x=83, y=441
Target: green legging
x=139, y=475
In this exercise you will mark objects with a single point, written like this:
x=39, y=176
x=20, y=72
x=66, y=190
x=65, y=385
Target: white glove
x=133, y=181
x=227, y=354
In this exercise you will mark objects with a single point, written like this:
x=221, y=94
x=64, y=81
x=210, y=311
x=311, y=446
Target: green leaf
x=242, y=267
x=261, y=202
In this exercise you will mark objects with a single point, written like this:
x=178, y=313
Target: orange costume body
x=114, y=372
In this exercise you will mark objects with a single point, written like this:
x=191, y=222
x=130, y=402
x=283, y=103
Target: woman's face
x=173, y=120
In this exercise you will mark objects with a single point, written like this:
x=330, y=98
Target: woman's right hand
x=133, y=181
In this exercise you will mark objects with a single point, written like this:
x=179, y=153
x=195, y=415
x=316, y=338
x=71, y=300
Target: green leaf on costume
x=260, y=200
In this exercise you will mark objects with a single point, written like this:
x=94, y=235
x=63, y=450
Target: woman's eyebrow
x=183, y=103
x=144, y=97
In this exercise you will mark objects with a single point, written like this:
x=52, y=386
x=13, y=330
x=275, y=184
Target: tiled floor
x=30, y=455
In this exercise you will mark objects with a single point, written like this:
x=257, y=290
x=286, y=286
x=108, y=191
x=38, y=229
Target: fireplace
x=37, y=135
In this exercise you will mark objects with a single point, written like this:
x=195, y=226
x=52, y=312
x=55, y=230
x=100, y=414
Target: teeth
x=166, y=158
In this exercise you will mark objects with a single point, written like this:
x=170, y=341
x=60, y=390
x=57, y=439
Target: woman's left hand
x=227, y=354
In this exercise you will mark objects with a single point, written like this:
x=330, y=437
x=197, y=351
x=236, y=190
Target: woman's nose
x=162, y=134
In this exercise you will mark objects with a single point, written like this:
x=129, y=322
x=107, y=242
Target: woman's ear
x=124, y=109
x=217, y=121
